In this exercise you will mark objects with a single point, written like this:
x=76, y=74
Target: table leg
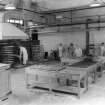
x=78, y=88
x=27, y=85
x=86, y=82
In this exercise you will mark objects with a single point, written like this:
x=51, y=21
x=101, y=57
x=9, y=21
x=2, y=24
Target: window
x=15, y=21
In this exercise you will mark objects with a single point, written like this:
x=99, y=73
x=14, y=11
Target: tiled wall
x=51, y=40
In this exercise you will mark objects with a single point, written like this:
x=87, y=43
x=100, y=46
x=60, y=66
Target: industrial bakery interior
x=52, y=52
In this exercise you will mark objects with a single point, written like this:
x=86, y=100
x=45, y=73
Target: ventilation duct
x=26, y=4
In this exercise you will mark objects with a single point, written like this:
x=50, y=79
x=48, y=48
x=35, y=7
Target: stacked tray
x=36, y=52
x=7, y=54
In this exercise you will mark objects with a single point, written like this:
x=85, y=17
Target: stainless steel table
x=57, y=79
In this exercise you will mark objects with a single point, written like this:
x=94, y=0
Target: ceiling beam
x=28, y=10
x=71, y=9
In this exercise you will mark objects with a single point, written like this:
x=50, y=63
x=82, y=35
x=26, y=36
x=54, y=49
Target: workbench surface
x=4, y=66
x=83, y=64
x=55, y=77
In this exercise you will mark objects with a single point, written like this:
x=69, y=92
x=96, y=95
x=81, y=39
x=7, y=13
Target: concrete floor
x=21, y=96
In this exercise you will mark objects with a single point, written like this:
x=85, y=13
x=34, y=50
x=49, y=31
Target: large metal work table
x=93, y=68
x=72, y=78
x=57, y=79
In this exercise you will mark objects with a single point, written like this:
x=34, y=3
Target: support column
x=87, y=37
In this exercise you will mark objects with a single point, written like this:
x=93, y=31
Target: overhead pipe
x=70, y=24
x=28, y=10
x=54, y=25
x=98, y=16
x=99, y=20
x=74, y=30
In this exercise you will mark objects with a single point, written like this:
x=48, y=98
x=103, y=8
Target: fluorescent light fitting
x=10, y=7
x=21, y=21
x=59, y=17
x=11, y=21
x=17, y=21
x=95, y=3
x=35, y=24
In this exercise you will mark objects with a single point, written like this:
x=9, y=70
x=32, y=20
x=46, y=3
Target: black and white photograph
x=52, y=52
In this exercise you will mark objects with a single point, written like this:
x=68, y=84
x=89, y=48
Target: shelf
x=64, y=89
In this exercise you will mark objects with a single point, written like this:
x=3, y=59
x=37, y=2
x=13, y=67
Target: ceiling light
x=95, y=3
x=35, y=24
x=59, y=17
x=10, y=7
